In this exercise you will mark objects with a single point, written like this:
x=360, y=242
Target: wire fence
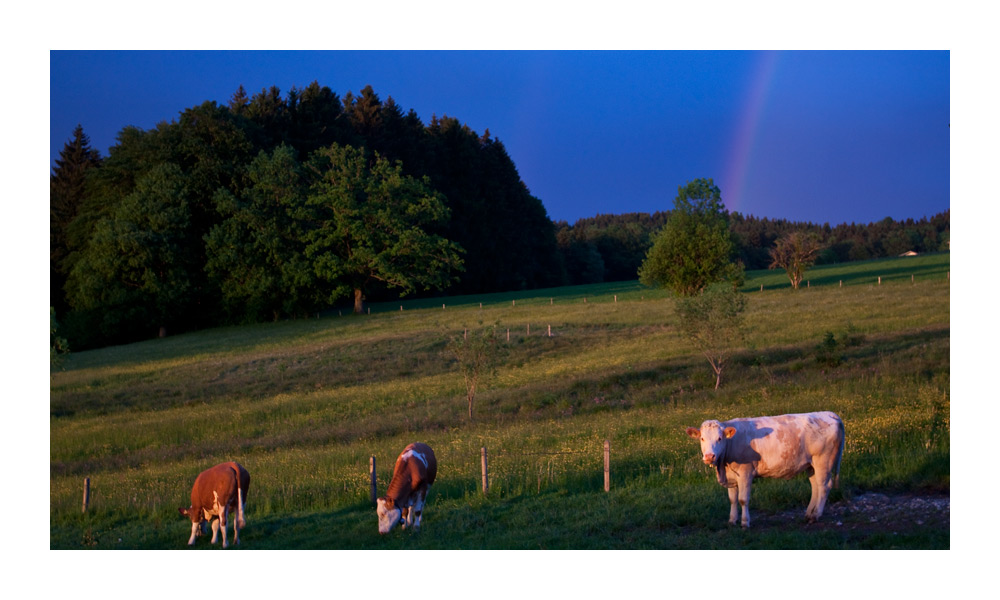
x=517, y=472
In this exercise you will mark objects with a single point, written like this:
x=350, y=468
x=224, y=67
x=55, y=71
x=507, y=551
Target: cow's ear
x=695, y=433
x=183, y=511
x=729, y=431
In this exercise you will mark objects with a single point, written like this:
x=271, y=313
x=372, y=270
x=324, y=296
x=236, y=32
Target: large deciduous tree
x=256, y=255
x=795, y=253
x=137, y=270
x=695, y=247
x=371, y=227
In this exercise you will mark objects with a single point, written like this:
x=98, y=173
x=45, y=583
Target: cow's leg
x=733, y=506
x=217, y=511
x=822, y=483
x=418, y=508
x=195, y=530
x=215, y=530
x=223, y=524
x=744, y=496
x=236, y=527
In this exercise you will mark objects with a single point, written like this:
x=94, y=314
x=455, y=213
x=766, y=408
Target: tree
x=712, y=321
x=478, y=353
x=695, y=247
x=371, y=226
x=256, y=256
x=66, y=195
x=795, y=253
x=137, y=270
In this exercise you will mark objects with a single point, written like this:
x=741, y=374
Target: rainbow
x=738, y=160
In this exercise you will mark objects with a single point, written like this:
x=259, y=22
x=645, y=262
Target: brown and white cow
x=215, y=493
x=779, y=447
x=412, y=477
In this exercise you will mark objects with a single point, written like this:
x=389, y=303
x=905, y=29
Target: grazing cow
x=215, y=493
x=779, y=447
x=412, y=477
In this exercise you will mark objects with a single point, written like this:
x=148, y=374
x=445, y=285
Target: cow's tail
x=241, y=520
x=840, y=453
x=240, y=517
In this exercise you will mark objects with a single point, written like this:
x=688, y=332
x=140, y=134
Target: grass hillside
x=305, y=404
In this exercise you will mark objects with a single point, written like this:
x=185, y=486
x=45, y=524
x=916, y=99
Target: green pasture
x=305, y=404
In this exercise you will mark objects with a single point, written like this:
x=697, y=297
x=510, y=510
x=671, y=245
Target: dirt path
x=873, y=512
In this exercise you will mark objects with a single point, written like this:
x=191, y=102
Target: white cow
x=779, y=447
x=412, y=477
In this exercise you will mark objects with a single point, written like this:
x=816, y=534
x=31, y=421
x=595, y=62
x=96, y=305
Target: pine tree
x=66, y=194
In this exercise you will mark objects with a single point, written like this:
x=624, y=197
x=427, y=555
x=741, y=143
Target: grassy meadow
x=304, y=405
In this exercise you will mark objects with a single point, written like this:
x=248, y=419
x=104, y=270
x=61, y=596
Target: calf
x=779, y=447
x=412, y=477
x=215, y=493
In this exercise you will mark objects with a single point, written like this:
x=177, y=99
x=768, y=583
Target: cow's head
x=389, y=515
x=713, y=436
x=199, y=525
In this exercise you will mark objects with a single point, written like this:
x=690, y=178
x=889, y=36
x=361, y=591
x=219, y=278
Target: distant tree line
x=279, y=206
x=612, y=247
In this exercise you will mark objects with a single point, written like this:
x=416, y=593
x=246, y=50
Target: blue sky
x=819, y=136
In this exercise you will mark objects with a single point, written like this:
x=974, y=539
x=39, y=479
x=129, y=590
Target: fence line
x=484, y=466
x=610, y=299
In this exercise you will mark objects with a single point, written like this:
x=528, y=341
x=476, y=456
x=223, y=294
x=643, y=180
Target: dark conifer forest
x=281, y=206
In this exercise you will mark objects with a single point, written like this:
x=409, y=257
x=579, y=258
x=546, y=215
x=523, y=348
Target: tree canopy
x=795, y=253
x=264, y=214
x=372, y=226
x=695, y=247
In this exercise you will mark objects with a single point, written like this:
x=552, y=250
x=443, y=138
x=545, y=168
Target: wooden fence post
x=371, y=471
x=86, y=493
x=607, y=465
x=486, y=481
